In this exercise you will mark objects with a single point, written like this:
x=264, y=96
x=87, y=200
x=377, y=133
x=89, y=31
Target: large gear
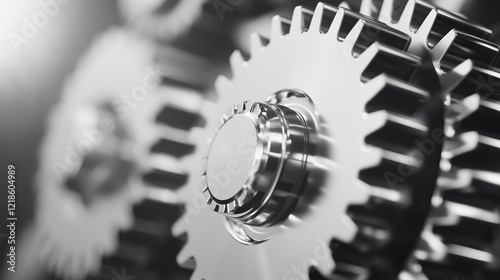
x=462, y=234
x=231, y=230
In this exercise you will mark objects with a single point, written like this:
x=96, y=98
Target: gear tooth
x=374, y=87
x=457, y=179
x=365, y=58
x=296, y=26
x=492, y=178
x=406, y=16
x=471, y=104
x=350, y=228
x=317, y=18
x=255, y=44
x=276, y=28
x=426, y=27
x=167, y=163
x=372, y=157
x=449, y=218
x=367, y=7
x=344, y=4
x=180, y=227
x=352, y=37
x=375, y=121
x=465, y=143
x=185, y=256
x=461, y=110
x=443, y=46
x=237, y=62
x=430, y=247
x=453, y=78
x=386, y=11
x=222, y=84
x=362, y=195
x=336, y=23
x=109, y=244
x=327, y=265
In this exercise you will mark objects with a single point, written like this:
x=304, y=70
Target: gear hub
x=256, y=163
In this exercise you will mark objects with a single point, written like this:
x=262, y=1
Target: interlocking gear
x=242, y=214
x=462, y=233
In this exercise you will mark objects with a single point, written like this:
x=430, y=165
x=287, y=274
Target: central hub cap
x=256, y=163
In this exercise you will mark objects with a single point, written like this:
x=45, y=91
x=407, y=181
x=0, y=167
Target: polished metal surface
x=250, y=158
x=256, y=166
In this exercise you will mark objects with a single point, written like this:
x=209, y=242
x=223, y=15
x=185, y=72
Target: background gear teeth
x=462, y=228
x=163, y=142
x=95, y=223
x=299, y=32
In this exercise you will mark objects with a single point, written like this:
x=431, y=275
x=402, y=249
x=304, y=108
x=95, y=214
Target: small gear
x=83, y=198
x=284, y=163
x=462, y=233
x=163, y=19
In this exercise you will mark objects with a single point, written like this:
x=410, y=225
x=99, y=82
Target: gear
x=256, y=198
x=462, y=233
x=93, y=200
x=83, y=201
x=163, y=19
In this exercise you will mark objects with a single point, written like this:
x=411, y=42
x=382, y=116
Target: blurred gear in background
x=341, y=145
x=148, y=139
x=87, y=182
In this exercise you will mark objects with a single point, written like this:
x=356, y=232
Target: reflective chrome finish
x=256, y=164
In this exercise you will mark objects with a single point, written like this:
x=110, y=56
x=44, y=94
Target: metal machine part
x=82, y=194
x=332, y=165
x=462, y=233
x=264, y=199
x=111, y=140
